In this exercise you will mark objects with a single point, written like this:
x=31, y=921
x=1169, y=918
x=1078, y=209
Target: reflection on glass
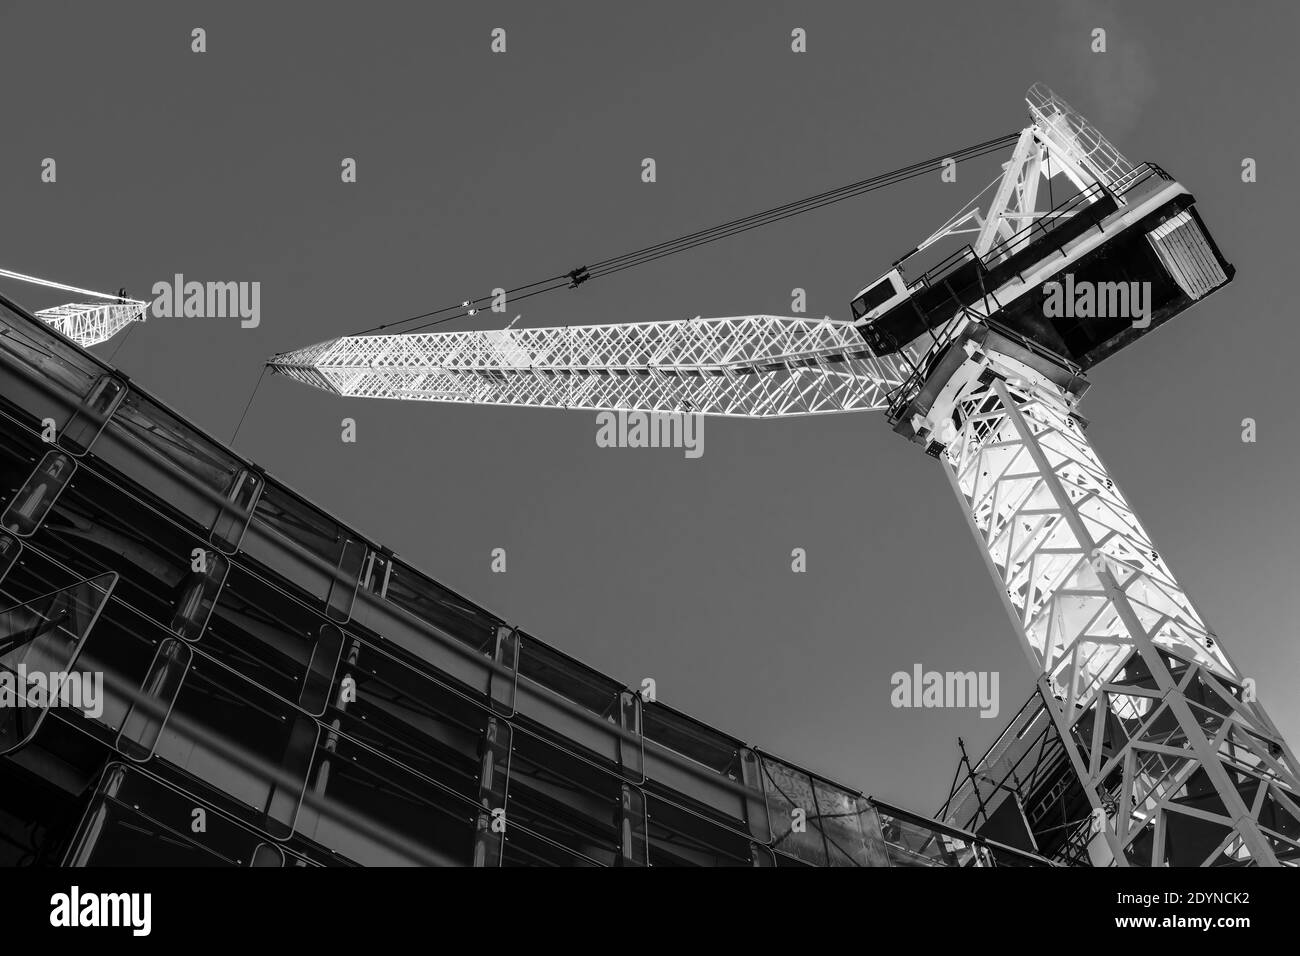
x=39, y=646
x=431, y=602
x=792, y=809
x=298, y=522
x=913, y=842
x=839, y=817
x=188, y=474
x=150, y=709
x=40, y=375
x=89, y=420
x=37, y=496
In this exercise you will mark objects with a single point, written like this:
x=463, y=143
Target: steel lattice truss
x=1074, y=139
x=89, y=323
x=1160, y=727
x=1159, y=724
x=753, y=366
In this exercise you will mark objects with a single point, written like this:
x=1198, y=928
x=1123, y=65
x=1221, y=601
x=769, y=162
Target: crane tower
x=980, y=359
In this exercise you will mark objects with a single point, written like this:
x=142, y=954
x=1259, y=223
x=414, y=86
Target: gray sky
x=478, y=170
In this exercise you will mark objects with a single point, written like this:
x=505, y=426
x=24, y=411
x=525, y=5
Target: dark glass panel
x=681, y=838
x=19, y=453
x=41, y=376
x=528, y=849
x=180, y=472
x=565, y=676
x=295, y=520
x=137, y=820
x=565, y=799
x=690, y=738
x=268, y=637
x=374, y=812
x=96, y=527
x=407, y=716
x=442, y=607
x=231, y=736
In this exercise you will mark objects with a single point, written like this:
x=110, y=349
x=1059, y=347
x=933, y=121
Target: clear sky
x=478, y=170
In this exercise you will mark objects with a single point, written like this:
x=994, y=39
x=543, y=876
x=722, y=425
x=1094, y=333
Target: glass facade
x=317, y=701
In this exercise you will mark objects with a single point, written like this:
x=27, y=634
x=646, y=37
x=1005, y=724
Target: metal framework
x=753, y=366
x=90, y=323
x=1086, y=155
x=1158, y=723
x=1059, y=142
x=1028, y=765
x=1161, y=730
x=86, y=323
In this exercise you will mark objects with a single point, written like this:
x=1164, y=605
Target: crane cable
x=49, y=283
x=648, y=254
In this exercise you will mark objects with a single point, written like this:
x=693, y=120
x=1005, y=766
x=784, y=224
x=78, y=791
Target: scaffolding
x=1023, y=791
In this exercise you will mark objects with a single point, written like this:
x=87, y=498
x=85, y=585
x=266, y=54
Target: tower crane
x=981, y=360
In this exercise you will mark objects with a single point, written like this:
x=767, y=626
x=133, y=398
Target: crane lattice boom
x=753, y=366
x=89, y=323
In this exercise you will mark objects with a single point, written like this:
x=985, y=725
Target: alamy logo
x=40, y=689
x=624, y=429
x=74, y=908
x=179, y=299
x=923, y=688
x=1099, y=300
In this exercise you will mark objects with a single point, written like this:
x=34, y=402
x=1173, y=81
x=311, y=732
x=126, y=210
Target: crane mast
x=1161, y=727
x=1178, y=760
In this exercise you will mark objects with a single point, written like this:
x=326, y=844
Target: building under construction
x=280, y=690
